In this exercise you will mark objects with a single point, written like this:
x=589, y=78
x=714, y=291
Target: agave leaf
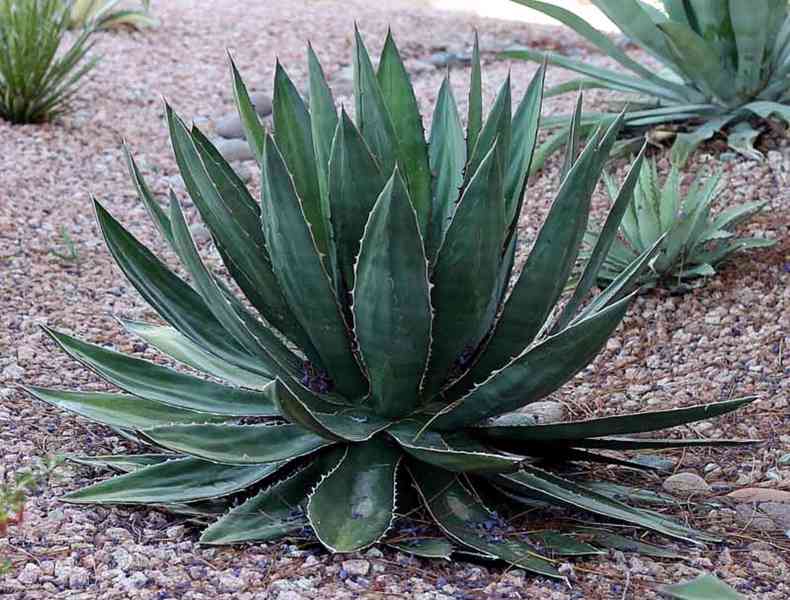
x=609, y=78
x=603, y=243
x=626, y=544
x=353, y=505
x=329, y=421
x=622, y=283
x=392, y=304
x=302, y=276
x=524, y=129
x=603, y=43
x=520, y=430
x=474, y=120
x=636, y=23
x=254, y=131
x=685, y=143
x=174, y=300
x=121, y=410
x=561, y=491
x=233, y=218
x=237, y=444
x=536, y=372
x=401, y=103
x=447, y=158
x=355, y=181
x=256, y=338
x=574, y=138
x=156, y=212
x=294, y=137
x=626, y=443
x=562, y=544
x=274, y=512
x=544, y=274
x=323, y=123
x=742, y=138
x=170, y=342
x=464, y=519
x=160, y=384
x=179, y=480
x=496, y=131
x=451, y=454
x=632, y=494
x=751, y=27
x=704, y=587
x=425, y=547
x=466, y=271
x=125, y=463
x=373, y=117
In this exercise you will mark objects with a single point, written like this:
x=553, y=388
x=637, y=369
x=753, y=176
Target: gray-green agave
x=726, y=63
x=692, y=242
x=388, y=346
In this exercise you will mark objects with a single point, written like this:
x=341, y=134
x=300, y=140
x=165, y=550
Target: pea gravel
x=727, y=339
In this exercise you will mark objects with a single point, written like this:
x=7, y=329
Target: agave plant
x=693, y=242
x=37, y=79
x=726, y=63
x=109, y=14
x=387, y=358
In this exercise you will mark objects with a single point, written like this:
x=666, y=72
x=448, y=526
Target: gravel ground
x=725, y=340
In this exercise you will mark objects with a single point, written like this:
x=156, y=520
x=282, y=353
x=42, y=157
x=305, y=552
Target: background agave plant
x=109, y=14
x=36, y=80
x=726, y=63
x=389, y=347
x=693, y=242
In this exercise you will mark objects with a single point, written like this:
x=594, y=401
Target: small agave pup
x=388, y=347
x=693, y=242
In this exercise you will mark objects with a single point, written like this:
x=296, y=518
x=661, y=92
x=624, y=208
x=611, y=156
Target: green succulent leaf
x=373, y=116
x=294, y=137
x=302, y=276
x=466, y=271
x=171, y=297
x=175, y=345
x=474, y=120
x=447, y=159
x=121, y=410
x=253, y=335
x=562, y=544
x=237, y=444
x=463, y=518
x=392, y=304
x=520, y=429
x=536, y=372
x=179, y=480
x=276, y=511
x=330, y=421
x=452, y=453
x=425, y=547
x=557, y=490
x=254, y=131
x=125, y=463
x=355, y=181
x=399, y=98
x=704, y=587
x=353, y=505
x=627, y=544
x=323, y=123
x=166, y=386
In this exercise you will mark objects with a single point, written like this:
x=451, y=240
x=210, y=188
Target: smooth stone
x=685, y=484
x=200, y=233
x=229, y=127
x=356, y=567
x=545, y=412
x=760, y=495
x=234, y=150
x=262, y=103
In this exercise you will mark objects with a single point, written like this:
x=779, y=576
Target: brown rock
x=760, y=495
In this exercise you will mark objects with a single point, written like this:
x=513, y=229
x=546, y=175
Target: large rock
x=234, y=150
x=686, y=484
x=746, y=495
